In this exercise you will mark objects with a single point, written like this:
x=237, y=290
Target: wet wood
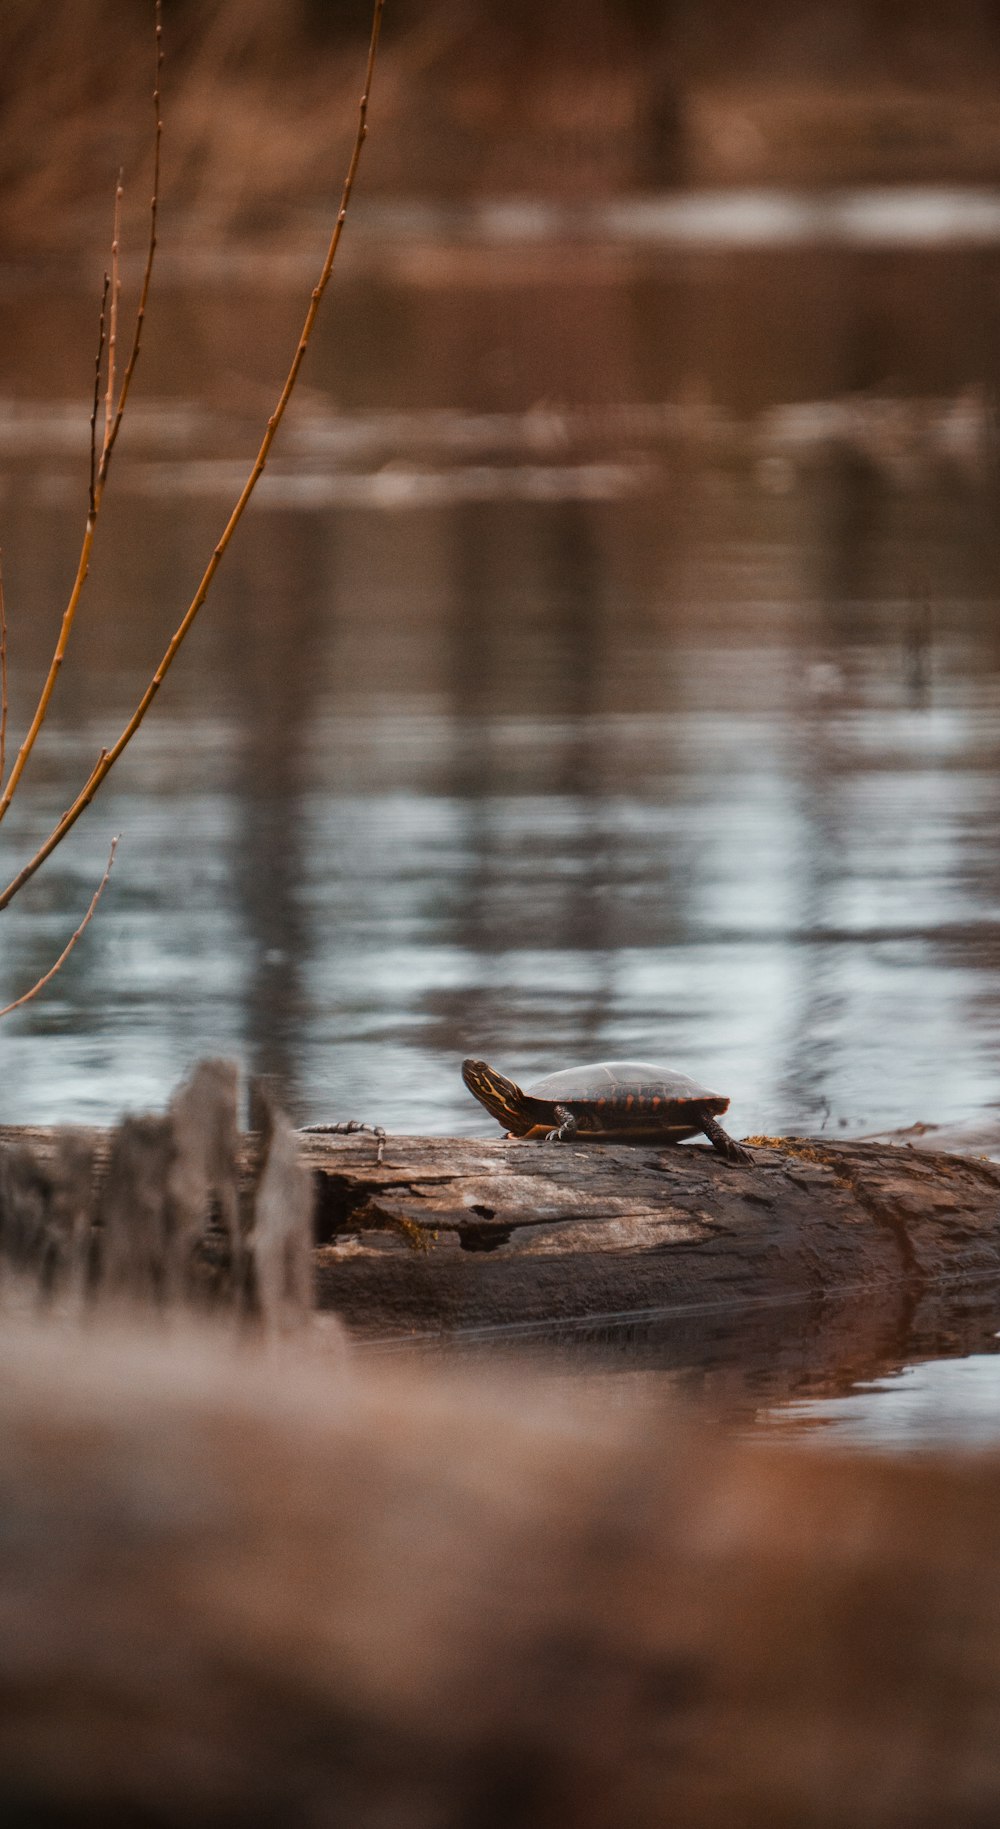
x=448, y=1232
x=282, y=1233
x=166, y=1211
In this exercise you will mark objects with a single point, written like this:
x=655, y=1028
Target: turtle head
x=502, y=1099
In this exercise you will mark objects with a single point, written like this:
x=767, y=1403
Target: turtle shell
x=613, y=1082
x=624, y=1100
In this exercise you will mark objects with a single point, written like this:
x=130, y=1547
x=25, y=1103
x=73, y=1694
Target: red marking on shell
x=629, y=1102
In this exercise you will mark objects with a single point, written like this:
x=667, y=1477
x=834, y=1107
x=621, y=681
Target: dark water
x=610, y=667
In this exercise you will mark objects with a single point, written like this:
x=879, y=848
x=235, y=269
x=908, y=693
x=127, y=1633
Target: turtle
x=619, y=1101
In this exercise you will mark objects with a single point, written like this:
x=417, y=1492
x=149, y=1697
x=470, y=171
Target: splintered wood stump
x=446, y=1232
x=166, y=1211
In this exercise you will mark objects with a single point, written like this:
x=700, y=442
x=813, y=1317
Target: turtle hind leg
x=726, y=1145
x=568, y=1126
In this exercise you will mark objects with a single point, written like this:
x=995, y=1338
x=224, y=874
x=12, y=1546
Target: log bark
x=432, y=1234
x=451, y=1233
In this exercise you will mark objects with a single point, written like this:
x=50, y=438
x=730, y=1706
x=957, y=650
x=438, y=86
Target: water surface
x=610, y=667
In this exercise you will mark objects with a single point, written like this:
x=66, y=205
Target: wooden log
x=432, y=1234
x=447, y=1232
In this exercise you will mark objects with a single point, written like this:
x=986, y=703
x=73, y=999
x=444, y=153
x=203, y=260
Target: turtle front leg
x=349, y=1127
x=726, y=1145
x=568, y=1126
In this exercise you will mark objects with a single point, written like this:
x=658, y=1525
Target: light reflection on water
x=857, y=1368
x=946, y=1405
x=354, y=851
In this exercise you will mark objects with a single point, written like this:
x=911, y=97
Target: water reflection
x=542, y=781
x=946, y=1405
x=609, y=666
x=858, y=1367
x=601, y=673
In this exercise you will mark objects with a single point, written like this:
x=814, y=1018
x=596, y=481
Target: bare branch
x=97, y=485
x=68, y=948
x=97, y=397
x=109, y=757
x=140, y=316
x=116, y=288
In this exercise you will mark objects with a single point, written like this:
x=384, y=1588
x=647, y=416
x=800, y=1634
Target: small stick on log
x=349, y=1127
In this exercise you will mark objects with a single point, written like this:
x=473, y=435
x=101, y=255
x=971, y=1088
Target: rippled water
x=654, y=712
x=545, y=782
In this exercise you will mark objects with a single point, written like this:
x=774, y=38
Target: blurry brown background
x=571, y=100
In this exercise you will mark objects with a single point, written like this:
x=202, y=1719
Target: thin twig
x=108, y=757
x=64, y=955
x=97, y=489
x=116, y=288
x=140, y=316
x=3, y=673
x=97, y=397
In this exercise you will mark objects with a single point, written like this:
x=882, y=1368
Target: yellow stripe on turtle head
x=502, y=1098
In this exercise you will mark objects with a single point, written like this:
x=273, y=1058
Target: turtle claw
x=741, y=1157
x=350, y=1127
x=567, y=1127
